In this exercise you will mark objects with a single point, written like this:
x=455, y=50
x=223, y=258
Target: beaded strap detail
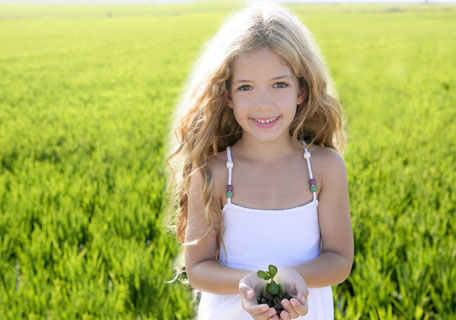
x=312, y=181
x=230, y=165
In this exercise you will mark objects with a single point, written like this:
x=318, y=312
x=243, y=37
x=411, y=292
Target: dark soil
x=274, y=301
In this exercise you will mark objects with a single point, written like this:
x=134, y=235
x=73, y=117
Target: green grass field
x=86, y=95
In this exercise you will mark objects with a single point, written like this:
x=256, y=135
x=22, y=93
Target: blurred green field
x=86, y=94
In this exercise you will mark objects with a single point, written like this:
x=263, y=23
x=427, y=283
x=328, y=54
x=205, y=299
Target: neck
x=265, y=151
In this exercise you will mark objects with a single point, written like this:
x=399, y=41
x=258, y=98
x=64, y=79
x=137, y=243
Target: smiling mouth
x=265, y=120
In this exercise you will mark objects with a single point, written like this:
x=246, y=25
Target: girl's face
x=263, y=89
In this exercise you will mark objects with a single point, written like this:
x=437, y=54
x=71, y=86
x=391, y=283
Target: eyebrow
x=275, y=78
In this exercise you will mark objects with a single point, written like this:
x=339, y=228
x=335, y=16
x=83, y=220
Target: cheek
x=290, y=101
x=238, y=113
x=241, y=102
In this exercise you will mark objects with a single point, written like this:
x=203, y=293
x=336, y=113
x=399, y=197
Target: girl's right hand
x=250, y=288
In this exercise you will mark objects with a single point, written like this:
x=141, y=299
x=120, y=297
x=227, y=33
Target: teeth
x=266, y=121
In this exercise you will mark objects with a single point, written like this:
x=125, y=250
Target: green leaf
x=280, y=288
x=273, y=288
x=272, y=270
x=262, y=274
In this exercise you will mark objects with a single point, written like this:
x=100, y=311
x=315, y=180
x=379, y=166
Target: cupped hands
x=251, y=288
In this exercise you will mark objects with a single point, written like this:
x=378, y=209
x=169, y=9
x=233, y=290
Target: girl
x=261, y=180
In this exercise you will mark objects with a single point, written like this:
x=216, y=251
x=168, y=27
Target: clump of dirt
x=274, y=301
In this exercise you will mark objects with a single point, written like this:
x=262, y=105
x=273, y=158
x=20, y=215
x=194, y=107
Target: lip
x=265, y=125
x=264, y=118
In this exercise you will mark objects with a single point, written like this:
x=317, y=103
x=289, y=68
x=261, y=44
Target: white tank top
x=255, y=238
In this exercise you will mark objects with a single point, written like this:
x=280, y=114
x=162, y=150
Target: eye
x=245, y=87
x=280, y=85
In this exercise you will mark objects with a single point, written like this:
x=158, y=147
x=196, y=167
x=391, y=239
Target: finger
x=305, y=308
x=255, y=309
x=246, y=291
x=292, y=307
x=284, y=315
x=303, y=297
x=300, y=309
x=270, y=314
x=302, y=292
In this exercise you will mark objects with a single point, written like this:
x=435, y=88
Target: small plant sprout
x=273, y=292
x=271, y=287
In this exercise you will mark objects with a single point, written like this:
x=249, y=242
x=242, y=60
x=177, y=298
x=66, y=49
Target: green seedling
x=271, y=287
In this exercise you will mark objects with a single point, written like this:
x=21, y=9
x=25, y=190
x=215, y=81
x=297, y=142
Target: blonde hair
x=204, y=125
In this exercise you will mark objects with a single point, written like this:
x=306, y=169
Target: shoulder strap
x=229, y=165
x=312, y=181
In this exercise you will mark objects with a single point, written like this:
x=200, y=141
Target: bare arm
x=213, y=277
x=330, y=268
x=204, y=273
x=333, y=266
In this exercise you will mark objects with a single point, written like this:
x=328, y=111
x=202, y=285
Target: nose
x=263, y=98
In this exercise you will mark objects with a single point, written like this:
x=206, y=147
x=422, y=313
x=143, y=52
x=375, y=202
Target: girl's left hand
x=250, y=288
x=296, y=286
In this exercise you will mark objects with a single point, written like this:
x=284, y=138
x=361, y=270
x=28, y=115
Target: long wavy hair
x=204, y=124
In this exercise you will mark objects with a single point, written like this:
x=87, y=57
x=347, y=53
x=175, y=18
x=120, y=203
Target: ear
x=229, y=101
x=302, y=96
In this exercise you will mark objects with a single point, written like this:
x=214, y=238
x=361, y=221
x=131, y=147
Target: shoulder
x=329, y=163
x=327, y=156
x=217, y=165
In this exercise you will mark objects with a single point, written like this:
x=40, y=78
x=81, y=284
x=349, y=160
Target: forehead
x=262, y=62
